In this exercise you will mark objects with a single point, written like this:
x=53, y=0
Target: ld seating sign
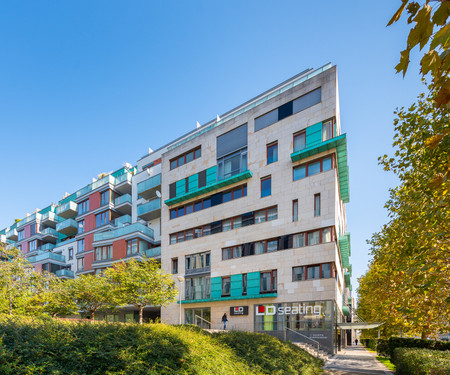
x=239, y=310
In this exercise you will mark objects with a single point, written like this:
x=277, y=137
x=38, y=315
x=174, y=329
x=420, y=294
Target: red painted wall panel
x=94, y=201
x=88, y=239
x=89, y=222
x=38, y=267
x=119, y=249
x=27, y=231
x=88, y=259
x=24, y=247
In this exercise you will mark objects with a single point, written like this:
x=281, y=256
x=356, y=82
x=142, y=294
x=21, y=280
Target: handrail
x=210, y=324
x=309, y=338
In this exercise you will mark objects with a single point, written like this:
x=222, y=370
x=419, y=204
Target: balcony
x=28, y=219
x=154, y=252
x=49, y=235
x=67, y=227
x=147, y=189
x=123, y=183
x=150, y=210
x=43, y=256
x=67, y=210
x=136, y=228
x=122, y=204
x=12, y=235
x=65, y=274
x=195, y=271
x=50, y=219
x=122, y=220
x=47, y=247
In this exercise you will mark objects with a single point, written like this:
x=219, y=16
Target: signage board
x=238, y=310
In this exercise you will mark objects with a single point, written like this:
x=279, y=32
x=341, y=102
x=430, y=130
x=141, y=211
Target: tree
x=92, y=294
x=431, y=26
x=15, y=276
x=142, y=283
x=407, y=284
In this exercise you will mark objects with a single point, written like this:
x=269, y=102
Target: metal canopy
x=358, y=325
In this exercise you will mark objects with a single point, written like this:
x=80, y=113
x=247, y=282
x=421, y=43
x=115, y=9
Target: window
x=314, y=238
x=233, y=164
x=268, y=281
x=298, y=273
x=266, y=186
x=266, y=246
x=313, y=167
x=272, y=153
x=232, y=252
x=298, y=240
x=267, y=214
x=102, y=219
x=226, y=286
x=132, y=246
x=316, y=204
x=313, y=272
x=326, y=271
x=80, y=264
x=20, y=235
x=105, y=197
x=33, y=229
x=299, y=141
x=244, y=284
x=70, y=253
x=295, y=210
x=103, y=253
x=197, y=288
x=80, y=245
x=186, y=158
x=32, y=245
x=174, y=266
x=81, y=226
x=83, y=207
x=199, y=262
x=327, y=130
x=326, y=235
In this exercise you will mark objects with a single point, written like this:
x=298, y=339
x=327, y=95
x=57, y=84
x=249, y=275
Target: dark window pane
x=237, y=193
x=307, y=100
x=266, y=120
x=326, y=270
x=202, y=178
x=173, y=164
x=232, y=141
x=206, y=203
x=198, y=153
x=313, y=272
x=198, y=206
x=181, y=161
x=245, y=190
x=272, y=153
x=299, y=172
x=189, y=209
x=298, y=273
x=313, y=168
x=180, y=212
x=248, y=219
x=189, y=156
x=326, y=164
x=266, y=187
x=172, y=190
x=284, y=111
x=216, y=199
x=226, y=196
x=216, y=227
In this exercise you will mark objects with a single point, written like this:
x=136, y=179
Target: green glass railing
x=47, y=256
x=123, y=231
x=145, y=208
x=28, y=219
x=12, y=233
x=122, y=220
x=49, y=231
x=148, y=184
x=66, y=224
x=51, y=216
x=153, y=252
x=123, y=177
x=65, y=273
x=122, y=199
x=47, y=247
x=72, y=206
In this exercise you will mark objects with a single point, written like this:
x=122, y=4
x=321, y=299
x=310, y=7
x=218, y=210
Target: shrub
x=370, y=343
x=387, y=347
x=413, y=361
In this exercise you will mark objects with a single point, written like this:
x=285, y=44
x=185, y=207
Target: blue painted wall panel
x=314, y=134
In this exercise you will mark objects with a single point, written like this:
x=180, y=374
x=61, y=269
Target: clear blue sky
x=88, y=85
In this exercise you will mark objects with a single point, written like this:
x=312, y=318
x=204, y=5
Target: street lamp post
x=181, y=280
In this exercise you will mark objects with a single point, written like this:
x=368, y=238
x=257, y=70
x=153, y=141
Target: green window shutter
x=216, y=287
x=314, y=134
x=211, y=175
x=181, y=187
x=193, y=182
x=236, y=285
x=253, y=283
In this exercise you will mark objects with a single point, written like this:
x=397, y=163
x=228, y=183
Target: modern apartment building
x=247, y=212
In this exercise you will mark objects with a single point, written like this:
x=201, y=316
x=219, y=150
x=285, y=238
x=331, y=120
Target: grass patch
x=52, y=347
x=387, y=362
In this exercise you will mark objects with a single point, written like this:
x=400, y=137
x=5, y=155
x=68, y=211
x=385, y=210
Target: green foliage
x=409, y=274
x=141, y=283
x=370, y=343
x=387, y=347
x=430, y=27
x=268, y=355
x=35, y=346
x=421, y=362
x=387, y=362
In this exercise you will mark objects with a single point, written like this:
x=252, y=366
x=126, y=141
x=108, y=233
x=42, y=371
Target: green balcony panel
x=180, y=187
x=340, y=144
x=12, y=235
x=313, y=135
x=193, y=183
x=47, y=256
x=67, y=210
x=253, y=283
x=147, y=189
x=236, y=285
x=211, y=175
x=47, y=247
x=50, y=219
x=211, y=187
x=123, y=231
x=122, y=204
x=216, y=287
x=150, y=210
x=65, y=274
x=49, y=235
x=122, y=220
x=67, y=227
x=28, y=219
x=219, y=299
x=153, y=252
x=344, y=246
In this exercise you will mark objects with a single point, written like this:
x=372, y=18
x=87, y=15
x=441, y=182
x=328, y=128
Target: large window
x=20, y=235
x=174, y=266
x=266, y=186
x=232, y=164
x=80, y=246
x=102, y=219
x=226, y=286
x=103, y=253
x=32, y=245
x=132, y=246
x=295, y=210
x=80, y=264
x=272, y=152
x=197, y=288
x=327, y=130
x=311, y=272
x=81, y=226
x=313, y=167
x=299, y=141
x=70, y=253
x=83, y=207
x=199, y=262
x=33, y=229
x=186, y=158
x=105, y=197
x=268, y=281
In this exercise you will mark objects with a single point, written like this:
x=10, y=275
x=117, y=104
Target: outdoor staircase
x=322, y=354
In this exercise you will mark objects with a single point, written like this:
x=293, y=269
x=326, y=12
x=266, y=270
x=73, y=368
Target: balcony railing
x=150, y=210
x=123, y=177
x=51, y=219
x=67, y=210
x=147, y=189
x=49, y=234
x=122, y=220
x=47, y=247
x=46, y=256
x=123, y=231
x=12, y=235
x=67, y=227
x=153, y=252
x=28, y=219
x=122, y=199
x=65, y=273
x=122, y=204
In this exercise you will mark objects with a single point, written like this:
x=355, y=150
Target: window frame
x=294, y=136
x=269, y=146
x=226, y=279
x=273, y=276
x=317, y=205
x=264, y=179
x=307, y=164
x=184, y=156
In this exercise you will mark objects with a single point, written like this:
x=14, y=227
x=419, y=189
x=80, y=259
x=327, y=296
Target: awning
x=359, y=325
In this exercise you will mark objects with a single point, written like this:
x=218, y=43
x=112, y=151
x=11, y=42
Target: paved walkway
x=355, y=360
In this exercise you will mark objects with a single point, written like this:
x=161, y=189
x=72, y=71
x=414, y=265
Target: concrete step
x=324, y=355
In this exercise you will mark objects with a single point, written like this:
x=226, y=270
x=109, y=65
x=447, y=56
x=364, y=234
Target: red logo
x=261, y=309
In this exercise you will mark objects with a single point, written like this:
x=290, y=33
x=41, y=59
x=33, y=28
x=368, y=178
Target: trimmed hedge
x=413, y=361
x=370, y=343
x=54, y=347
x=387, y=347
